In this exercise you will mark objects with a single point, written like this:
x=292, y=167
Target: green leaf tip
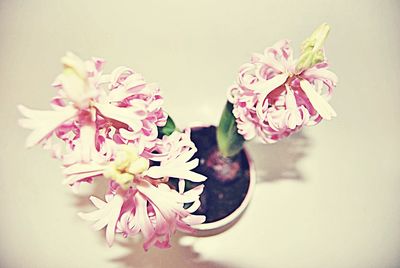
x=168, y=129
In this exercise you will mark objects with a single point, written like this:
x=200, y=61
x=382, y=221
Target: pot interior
x=228, y=180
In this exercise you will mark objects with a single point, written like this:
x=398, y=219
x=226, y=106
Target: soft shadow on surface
x=176, y=256
x=279, y=161
x=273, y=162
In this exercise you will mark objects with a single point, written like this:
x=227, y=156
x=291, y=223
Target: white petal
x=185, y=156
x=321, y=73
x=124, y=115
x=142, y=217
x=87, y=141
x=134, y=81
x=106, y=215
x=196, y=204
x=266, y=86
x=74, y=62
x=115, y=209
x=159, y=172
x=83, y=168
x=117, y=94
x=181, y=186
x=71, y=179
x=75, y=88
x=126, y=134
x=318, y=102
x=194, y=219
x=92, y=216
x=196, y=191
x=105, y=78
x=44, y=123
x=290, y=99
x=98, y=203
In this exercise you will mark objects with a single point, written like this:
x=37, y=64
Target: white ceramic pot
x=218, y=226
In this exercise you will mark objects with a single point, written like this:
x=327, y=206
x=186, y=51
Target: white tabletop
x=327, y=197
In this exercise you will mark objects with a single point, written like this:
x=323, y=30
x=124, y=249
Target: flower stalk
x=230, y=142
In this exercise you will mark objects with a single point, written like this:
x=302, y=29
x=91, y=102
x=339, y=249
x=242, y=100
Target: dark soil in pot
x=228, y=178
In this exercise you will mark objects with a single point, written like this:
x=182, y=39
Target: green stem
x=230, y=142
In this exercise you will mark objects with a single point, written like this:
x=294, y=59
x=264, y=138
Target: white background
x=328, y=197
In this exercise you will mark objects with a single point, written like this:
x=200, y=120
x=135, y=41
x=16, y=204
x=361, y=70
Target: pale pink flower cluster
x=106, y=126
x=272, y=99
x=92, y=109
x=144, y=202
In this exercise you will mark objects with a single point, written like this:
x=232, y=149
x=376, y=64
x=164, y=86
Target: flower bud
x=311, y=50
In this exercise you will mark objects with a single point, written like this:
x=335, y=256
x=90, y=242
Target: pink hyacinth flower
x=273, y=99
x=155, y=211
x=91, y=108
x=106, y=126
x=139, y=199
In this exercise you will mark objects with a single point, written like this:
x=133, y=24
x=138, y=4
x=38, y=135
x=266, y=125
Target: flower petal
x=106, y=216
x=124, y=115
x=194, y=219
x=157, y=172
x=318, y=102
x=44, y=123
x=266, y=86
x=70, y=60
x=320, y=73
x=80, y=171
x=87, y=141
x=98, y=203
x=143, y=220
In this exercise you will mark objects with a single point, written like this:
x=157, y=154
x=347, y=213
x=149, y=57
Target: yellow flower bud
x=311, y=49
x=73, y=64
x=138, y=166
x=126, y=165
x=124, y=179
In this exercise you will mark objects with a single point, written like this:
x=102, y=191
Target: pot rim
x=238, y=211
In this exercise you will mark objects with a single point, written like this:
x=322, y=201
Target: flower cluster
x=107, y=126
x=276, y=95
